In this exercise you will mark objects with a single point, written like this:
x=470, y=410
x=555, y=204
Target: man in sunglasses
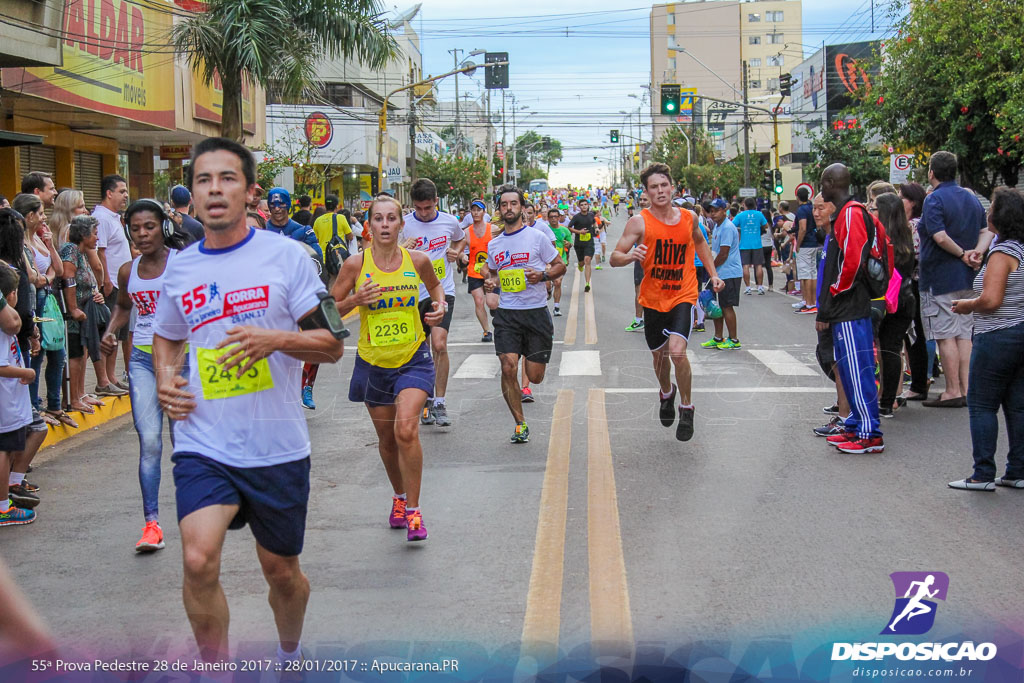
x=279, y=201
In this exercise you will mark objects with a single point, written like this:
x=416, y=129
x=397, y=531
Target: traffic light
x=614, y=135
x=669, y=99
x=778, y=181
x=767, y=183
x=495, y=77
x=786, y=85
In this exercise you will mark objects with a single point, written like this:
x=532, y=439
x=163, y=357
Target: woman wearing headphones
x=154, y=235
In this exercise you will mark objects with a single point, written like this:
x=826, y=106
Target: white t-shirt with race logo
x=524, y=248
x=433, y=238
x=15, y=405
x=264, y=281
x=544, y=229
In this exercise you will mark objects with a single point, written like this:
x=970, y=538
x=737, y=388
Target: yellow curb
x=116, y=407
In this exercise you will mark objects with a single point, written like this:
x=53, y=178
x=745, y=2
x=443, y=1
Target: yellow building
x=106, y=97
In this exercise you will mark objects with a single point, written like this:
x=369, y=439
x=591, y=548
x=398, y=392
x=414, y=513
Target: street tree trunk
x=231, y=110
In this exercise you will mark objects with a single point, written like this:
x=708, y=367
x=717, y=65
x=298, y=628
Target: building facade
x=113, y=96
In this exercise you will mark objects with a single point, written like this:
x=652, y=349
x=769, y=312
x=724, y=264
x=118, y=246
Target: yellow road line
x=591, y=320
x=544, y=599
x=611, y=626
x=574, y=309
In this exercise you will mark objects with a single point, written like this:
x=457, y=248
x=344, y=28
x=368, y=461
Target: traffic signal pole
x=746, y=130
x=382, y=115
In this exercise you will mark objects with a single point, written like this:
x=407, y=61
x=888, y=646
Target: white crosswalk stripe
x=479, y=366
x=782, y=363
x=580, y=363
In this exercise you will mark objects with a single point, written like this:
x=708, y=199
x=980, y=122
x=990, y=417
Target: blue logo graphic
x=916, y=592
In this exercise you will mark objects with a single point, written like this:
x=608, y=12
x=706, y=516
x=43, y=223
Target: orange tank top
x=478, y=251
x=670, y=276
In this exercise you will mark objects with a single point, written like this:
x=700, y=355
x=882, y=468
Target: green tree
x=531, y=152
x=671, y=149
x=457, y=178
x=278, y=44
x=953, y=79
x=850, y=147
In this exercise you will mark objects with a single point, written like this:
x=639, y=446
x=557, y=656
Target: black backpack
x=337, y=249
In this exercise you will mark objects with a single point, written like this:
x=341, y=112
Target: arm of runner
x=425, y=269
x=122, y=311
x=455, y=250
x=168, y=359
x=251, y=344
x=632, y=234
x=342, y=291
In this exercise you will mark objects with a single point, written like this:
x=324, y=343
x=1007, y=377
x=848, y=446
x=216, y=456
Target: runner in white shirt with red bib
x=439, y=235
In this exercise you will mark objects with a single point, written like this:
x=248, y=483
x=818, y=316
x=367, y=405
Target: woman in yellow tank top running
x=394, y=371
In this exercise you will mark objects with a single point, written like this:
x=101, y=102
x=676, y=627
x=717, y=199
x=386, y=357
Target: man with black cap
x=181, y=200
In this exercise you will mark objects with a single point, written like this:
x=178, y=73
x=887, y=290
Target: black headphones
x=167, y=225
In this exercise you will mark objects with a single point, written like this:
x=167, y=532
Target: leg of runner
x=309, y=372
x=398, y=436
x=510, y=387
x=202, y=539
x=439, y=347
x=587, y=271
x=673, y=354
x=525, y=384
x=556, y=291
x=481, y=313
x=289, y=595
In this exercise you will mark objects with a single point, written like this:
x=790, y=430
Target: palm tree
x=278, y=44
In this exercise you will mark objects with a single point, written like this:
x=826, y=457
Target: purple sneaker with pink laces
x=397, y=518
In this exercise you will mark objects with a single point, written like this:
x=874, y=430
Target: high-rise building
x=704, y=45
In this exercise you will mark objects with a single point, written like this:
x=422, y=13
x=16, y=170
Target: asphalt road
x=603, y=530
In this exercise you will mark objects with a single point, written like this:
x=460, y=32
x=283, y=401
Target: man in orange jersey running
x=665, y=240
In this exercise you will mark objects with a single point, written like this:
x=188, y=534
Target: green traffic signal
x=778, y=181
x=670, y=98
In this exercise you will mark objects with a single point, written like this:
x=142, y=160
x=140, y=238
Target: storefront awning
x=9, y=139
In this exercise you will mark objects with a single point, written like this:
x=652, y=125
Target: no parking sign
x=810, y=190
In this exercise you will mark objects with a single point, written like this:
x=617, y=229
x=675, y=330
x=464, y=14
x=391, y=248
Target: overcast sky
x=575, y=62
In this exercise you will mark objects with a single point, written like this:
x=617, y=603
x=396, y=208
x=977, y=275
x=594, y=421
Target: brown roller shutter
x=37, y=158
x=88, y=176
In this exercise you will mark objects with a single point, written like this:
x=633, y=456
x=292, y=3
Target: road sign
x=747, y=192
x=899, y=167
x=810, y=189
x=515, y=173
x=686, y=97
x=718, y=112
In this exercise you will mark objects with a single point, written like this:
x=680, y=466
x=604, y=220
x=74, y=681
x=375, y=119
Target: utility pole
x=515, y=144
x=455, y=53
x=746, y=131
x=490, y=148
x=504, y=142
x=412, y=127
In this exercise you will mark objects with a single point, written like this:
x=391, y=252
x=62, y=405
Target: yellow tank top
x=390, y=330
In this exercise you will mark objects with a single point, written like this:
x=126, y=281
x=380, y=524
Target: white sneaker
x=748, y=291
x=799, y=304
x=760, y=291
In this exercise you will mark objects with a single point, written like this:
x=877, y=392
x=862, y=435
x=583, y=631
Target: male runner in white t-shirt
x=443, y=239
x=249, y=309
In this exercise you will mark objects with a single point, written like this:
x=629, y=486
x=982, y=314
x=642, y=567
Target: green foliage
x=725, y=179
x=953, y=79
x=278, y=44
x=531, y=151
x=458, y=178
x=671, y=149
x=293, y=151
x=849, y=147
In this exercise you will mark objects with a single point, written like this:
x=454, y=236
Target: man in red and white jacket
x=845, y=306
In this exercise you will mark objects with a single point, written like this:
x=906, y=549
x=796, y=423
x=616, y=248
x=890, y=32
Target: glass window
x=672, y=63
x=752, y=18
x=776, y=60
x=754, y=62
x=773, y=84
x=754, y=84
x=338, y=94
x=774, y=16
x=670, y=18
x=775, y=38
x=754, y=40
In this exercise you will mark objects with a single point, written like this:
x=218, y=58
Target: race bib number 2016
x=512, y=280
x=218, y=382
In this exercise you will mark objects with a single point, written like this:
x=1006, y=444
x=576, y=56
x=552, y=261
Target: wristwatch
x=544, y=276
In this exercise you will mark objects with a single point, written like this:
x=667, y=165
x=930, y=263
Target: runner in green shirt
x=563, y=240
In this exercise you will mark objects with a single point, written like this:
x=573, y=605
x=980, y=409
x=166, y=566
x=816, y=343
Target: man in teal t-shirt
x=563, y=240
x=750, y=223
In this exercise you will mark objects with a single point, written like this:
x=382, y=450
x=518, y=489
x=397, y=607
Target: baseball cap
x=279, y=195
x=331, y=202
x=477, y=202
x=719, y=203
x=678, y=201
x=180, y=196
x=258, y=188
x=689, y=198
